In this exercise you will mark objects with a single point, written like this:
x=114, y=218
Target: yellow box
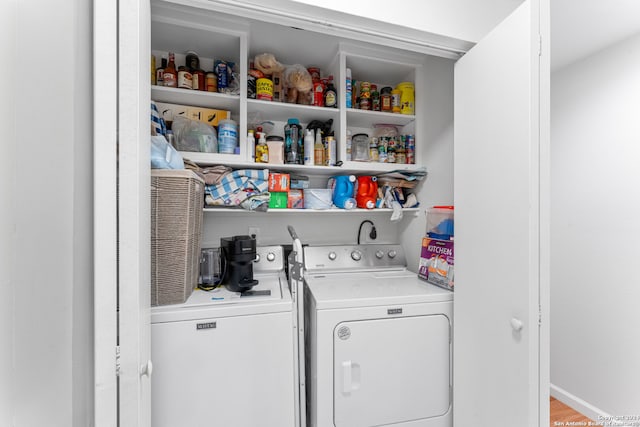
x=170, y=111
x=209, y=116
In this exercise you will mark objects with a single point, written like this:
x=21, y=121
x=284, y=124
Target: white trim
x=105, y=100
x=134, y=94
x=544, y=218
x=582, y=406
x=339, y=24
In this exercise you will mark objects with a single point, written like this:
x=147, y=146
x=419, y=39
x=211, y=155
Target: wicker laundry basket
x=177, y=198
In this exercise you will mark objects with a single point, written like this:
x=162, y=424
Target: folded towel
x=236, y=187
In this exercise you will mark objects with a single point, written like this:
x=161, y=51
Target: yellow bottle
x=262, y=150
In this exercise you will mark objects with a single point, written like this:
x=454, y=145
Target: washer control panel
x=268, y=258
x=350, y=257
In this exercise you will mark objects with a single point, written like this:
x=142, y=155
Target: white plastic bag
x=163, y=155
x=192, y=135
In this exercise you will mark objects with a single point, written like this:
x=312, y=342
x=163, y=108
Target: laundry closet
x=481, y=132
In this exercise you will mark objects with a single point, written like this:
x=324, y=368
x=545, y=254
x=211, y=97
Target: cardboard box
x=299, y=182
x=279, y=182
x=296, y=199
x=206, y=115
x=278, y=200
x=436, y=262
x=278, y=95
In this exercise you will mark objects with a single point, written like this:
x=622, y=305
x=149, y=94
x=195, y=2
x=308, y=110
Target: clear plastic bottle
x=308, y=147
x=318, y=150
x=293, y=142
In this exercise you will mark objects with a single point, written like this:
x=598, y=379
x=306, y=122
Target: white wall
x=437, y=154
x=49, y=220
x=7, y=194
x=595, y=134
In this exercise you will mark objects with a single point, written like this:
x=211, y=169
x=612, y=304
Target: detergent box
x=279, y=181
x=436, y=262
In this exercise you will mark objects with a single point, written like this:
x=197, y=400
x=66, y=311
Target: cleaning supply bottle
x=262, y=150
x=308, y=147
x=366, y=192
x=343, y=191
x=318, y=150
x=292, y=141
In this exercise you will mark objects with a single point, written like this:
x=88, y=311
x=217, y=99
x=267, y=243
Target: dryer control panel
x=353, y=257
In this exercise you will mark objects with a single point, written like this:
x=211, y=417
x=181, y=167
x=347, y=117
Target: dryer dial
x=356, y=255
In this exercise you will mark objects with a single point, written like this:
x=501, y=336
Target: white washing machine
x=378, y=340
x=225, y=360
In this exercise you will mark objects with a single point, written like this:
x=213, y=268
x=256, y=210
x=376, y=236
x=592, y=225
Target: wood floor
x=561, y=415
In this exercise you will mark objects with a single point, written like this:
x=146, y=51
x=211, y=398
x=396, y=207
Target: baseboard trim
x=584, y=407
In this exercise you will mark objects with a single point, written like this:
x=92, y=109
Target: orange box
x=296, y=199
x=279, y=182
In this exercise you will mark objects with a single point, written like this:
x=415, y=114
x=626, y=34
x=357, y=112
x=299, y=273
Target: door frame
x=105, y=216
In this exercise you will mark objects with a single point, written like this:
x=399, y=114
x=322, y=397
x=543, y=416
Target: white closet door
x=498, y=231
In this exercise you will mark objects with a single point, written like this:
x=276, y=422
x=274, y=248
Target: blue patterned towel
x=237, y=186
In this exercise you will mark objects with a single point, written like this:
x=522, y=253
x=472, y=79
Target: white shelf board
x=196, y=98
x=237, y=162
x=281, y=111
x=333, y=211
x=210, y=159
x=366, y=119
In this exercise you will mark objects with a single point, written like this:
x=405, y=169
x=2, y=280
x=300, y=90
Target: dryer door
x=388, y=371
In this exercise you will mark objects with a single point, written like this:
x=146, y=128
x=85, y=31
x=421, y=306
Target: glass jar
x=385, y=99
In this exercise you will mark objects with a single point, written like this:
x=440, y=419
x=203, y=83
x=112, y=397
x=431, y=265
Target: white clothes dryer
x=378, y=340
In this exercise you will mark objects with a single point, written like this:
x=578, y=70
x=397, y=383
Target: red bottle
x=318, y=94
x=366, y=192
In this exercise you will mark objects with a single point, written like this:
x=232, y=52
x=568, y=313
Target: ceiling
x=580, y=28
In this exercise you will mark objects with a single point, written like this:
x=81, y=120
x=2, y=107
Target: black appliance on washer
x=239, y=252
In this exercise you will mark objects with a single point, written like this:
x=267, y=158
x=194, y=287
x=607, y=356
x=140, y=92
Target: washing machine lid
x=372, y=288
x=223, y=303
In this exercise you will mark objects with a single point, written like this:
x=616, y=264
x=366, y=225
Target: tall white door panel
x=390, y=371
x=498, y=232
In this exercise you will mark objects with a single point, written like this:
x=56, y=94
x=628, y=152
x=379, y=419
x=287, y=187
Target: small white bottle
x=308, y=147
x=251, y=145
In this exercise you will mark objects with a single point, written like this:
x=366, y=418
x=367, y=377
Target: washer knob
x=332, y=256
x=356, y=255
x=379, y=254
x=392, y=254
x=257, y=258
x=271, y=257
